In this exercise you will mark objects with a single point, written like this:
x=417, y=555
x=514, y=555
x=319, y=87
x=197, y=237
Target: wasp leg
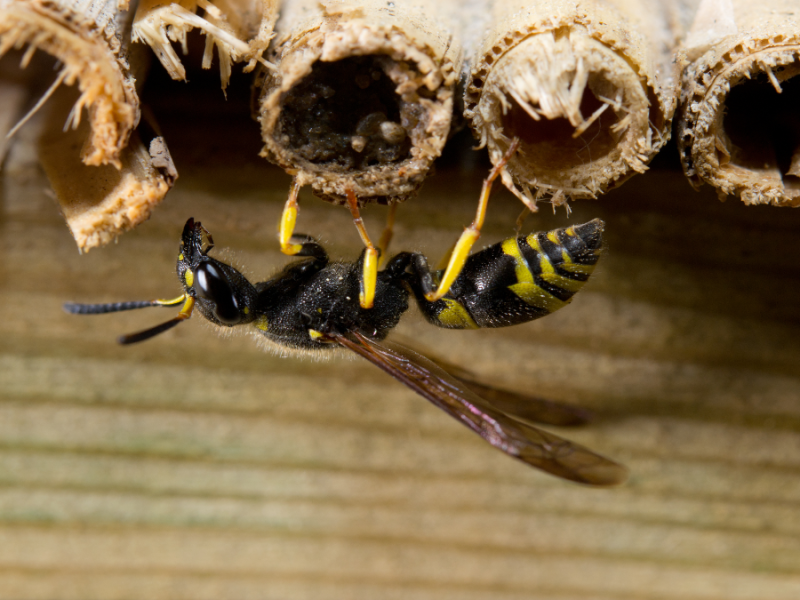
x=426, y=279
x=386, y=236
x=308, y=246
x=521, y=220
x=445, y=260
x=461, y=250
x=288, y=221
x=366, y=296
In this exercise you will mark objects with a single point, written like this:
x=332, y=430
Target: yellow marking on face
x=456, y=316
x=180, y=256
x=521, y=269
x=314, y=334
x=261, y=323
x=246, y=310
x=532, y=294
x=188, y=277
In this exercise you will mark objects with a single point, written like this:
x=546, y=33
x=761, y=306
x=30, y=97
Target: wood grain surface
x=196, y=466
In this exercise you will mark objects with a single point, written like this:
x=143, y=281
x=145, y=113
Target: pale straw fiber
x=239, y=30
x=95, y=140
x=587, y=87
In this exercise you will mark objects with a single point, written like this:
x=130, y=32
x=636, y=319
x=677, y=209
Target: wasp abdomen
x=519, y=279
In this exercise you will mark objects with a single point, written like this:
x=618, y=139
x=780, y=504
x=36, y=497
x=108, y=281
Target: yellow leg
x=288, y=221
x=446, y=258
x=386, y=236
x=460, y=252
x=369, y=280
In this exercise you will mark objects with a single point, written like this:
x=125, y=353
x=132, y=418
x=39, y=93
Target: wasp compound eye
x=211, y=284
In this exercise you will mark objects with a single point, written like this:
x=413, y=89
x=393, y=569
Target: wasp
x=312, y=305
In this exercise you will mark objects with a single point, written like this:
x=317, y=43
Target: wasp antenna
x=98, y=309
x=141, y=336
x=74, y=308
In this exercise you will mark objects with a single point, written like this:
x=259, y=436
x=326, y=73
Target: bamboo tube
x=239, y=29
x=588, y=89
x=739, y=123
x=99, y=203
x=87, y=37
x=362, y=97
x=121, y=178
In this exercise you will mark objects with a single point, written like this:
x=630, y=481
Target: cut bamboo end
x=112, y=201
x=587, y=92
x=101, y=203
x=739, y=123
x=106, y=171
x=361, y=100
x=240, y=30
x=89, y=50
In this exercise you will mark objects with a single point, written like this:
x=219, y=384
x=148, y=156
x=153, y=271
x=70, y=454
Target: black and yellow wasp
x=313, y=305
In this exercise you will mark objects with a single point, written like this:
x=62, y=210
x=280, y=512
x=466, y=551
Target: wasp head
x=222, y=294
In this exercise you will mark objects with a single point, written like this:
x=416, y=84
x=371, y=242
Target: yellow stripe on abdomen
x=521, y=269
x=455, y=316
x=525, y=288
x=549, y=273
x=576, y=268
x=532, y=294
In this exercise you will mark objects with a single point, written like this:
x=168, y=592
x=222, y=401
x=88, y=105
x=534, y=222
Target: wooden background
x=195, y=466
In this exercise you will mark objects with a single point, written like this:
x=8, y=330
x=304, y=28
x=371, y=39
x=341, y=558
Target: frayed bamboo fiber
x=739, y=119
x=102, y=202
x=362, y=98
x=587, y=87
x=88, y=39
x=240, y=30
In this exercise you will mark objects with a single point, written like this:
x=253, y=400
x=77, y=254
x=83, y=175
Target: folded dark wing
x=529, y=444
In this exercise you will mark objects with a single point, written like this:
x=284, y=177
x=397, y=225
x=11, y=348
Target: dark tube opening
x=550, y=142
x=763, y=126
x=345, y=113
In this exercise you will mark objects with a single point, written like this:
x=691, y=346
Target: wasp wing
x=519, y=406
x=529, y=444
x=529, y=409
